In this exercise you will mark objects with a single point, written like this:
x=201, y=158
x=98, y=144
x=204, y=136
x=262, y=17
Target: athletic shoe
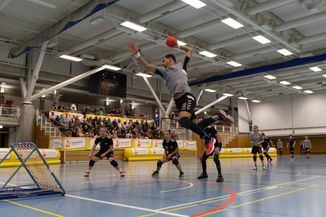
x=225, y=117
x=210, y=146
x=122, y=173
x=155, y=173
x=181, y=174
x=264, y=168
x=202, y=176
x=255, y=168
x=220, y=179
x=86, y=174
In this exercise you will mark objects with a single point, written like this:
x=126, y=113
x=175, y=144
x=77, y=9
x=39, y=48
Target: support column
x=25, y=129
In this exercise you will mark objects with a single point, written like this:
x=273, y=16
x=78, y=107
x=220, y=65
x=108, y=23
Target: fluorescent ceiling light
x=297, y=87
x=45, y=4
x=195, y=3
x=72, y=58
x=285, y=52
x=113, y=68
x=285, y=82
x=1, y=126
x=324, y=75
x=143, y=75
x=207, y=54
x=255, y=101
x=270, y=77
x=210, y=90
x=261, y=39
x=133, y=26
x=308, y=91
x=232, y=23
x=227, y=94
x=315, y=69
x=233, y=63
x=181, y=43
x=242, y=97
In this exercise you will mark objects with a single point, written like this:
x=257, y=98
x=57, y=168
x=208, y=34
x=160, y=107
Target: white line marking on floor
x=243, y=192
x=126, y=206
x=179, y=189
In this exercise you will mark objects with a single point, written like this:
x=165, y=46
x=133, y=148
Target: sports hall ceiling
x=298, y=26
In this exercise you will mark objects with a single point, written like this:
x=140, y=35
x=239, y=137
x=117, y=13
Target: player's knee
x=114, y=163
x=261, y=157
x=255, y=157
x=175, y=161
x=217, y=160
x=159, y=163
x=185, y=122
x=91, y=163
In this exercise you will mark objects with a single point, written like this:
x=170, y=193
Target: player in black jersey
x=211, y=131
x=106, y=150
x=265, y=145
x=171, y=153
x=291, y=145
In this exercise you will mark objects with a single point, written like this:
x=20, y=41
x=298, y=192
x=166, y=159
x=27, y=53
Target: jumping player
x=217, y=148
x=175, y=76
x=291, y=145
x=106, y=150
x=171, y=153
x=256, y=140
x=266, y=146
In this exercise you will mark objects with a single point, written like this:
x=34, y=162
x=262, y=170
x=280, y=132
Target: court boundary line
x=243, y=192
x=33, y=208
x=179, y=189
x=126, y=206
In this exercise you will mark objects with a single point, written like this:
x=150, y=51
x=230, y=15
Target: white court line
x=243, y=192
x=126, y=206
x=179, y=189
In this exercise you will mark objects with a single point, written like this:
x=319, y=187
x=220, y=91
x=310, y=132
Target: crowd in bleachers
x=85, y=125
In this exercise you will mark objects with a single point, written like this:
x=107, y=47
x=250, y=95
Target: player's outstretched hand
x=133, y=48
x=103, y=155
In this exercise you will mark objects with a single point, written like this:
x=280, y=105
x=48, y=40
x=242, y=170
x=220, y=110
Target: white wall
x=243, y=117
x=290, y=114
x=272, y=113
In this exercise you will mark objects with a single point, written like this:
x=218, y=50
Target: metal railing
x=6, y=111
x=47, y=126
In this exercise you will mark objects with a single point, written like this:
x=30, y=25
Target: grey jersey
x=256, y=138
x=175, y=77
x=306, y=143
x=279, y=144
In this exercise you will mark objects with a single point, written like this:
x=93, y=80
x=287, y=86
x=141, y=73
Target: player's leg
x=186, y=105
x=254, y=152
x=203, y=160
x=175, y=161
x=261, y=158
x=269, y=159
x=221, y=116
x=115, y=164
x=159, y=165
x=91, y=163
x=218, y=165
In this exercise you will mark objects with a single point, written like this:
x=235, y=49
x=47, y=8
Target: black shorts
x=205, y=156
x=266, y=148
x=256, y=150
x=291, y=149
x=108, y=155
x=177, y=155
x=307, y=149
x=186, y=103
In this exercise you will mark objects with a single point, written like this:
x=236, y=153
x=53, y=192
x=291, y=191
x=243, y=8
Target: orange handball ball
x=171, y=41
